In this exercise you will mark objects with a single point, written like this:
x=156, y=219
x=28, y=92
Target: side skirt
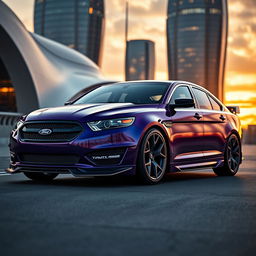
x=196, y=166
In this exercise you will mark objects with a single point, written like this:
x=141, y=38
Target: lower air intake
x=49, y=159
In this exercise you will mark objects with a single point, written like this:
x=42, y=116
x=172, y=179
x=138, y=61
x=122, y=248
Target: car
x=142, y=128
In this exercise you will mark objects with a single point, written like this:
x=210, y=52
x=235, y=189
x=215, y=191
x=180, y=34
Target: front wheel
x=40, y=176
x=152, y=158
x=232, y=158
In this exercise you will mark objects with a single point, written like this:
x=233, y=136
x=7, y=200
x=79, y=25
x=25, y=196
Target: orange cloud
x=240, y=81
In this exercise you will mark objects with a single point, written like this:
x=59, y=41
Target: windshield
x=137, y=93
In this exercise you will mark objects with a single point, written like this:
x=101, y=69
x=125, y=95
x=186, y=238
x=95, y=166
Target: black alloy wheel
x=153, y=157
x=232, y=158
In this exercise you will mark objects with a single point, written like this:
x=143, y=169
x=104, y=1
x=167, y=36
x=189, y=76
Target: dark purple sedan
x=143, y=128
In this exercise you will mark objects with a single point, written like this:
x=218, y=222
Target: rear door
x=186, y=130
x=214, y=124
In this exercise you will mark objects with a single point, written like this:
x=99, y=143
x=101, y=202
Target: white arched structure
x=44, y=73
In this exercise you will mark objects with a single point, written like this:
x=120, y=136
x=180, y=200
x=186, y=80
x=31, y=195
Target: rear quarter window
x=215, y=104
x=202, y=99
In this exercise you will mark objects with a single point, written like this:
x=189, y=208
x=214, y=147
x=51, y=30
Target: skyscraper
x=140, y=60
x=196, y=42
x=78, y=24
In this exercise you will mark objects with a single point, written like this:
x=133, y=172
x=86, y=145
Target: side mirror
x=234, y=109
x=183, y=103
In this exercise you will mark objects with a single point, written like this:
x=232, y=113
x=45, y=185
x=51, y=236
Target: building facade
x=140, y=60
x=78, y=24
x=197, y=41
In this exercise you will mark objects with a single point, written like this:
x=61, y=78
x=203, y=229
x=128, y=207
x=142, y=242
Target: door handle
x=197, y=116
x=223, y=118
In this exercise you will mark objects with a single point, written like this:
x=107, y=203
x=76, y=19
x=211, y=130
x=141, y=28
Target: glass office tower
x=140, y=60
x=196, y=42
x=79, y=24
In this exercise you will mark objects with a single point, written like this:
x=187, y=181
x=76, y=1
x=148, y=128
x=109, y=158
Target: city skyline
x=147, y=21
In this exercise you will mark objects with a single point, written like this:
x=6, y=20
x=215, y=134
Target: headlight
x=110, y=124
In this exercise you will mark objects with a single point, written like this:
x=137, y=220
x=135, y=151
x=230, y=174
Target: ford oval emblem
x=45, y=132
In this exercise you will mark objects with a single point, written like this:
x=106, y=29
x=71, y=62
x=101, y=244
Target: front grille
x=49, y=159
x=59, y=131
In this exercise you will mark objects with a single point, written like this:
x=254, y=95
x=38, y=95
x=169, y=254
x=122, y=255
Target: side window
x=215, y=104
x=202, y=99
x=182, y=92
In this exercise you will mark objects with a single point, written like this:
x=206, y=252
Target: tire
x=152, y=158
x=232, y=157
x=40, y=176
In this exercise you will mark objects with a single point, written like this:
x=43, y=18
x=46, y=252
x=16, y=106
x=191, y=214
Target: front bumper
x=86, y=146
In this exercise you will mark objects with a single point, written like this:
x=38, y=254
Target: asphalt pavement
x=192, y=213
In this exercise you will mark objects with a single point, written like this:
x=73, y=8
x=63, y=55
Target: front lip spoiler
x=75, y=171
x=82, y=172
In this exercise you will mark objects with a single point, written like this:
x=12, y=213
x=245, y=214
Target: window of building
x=71, y=46
x=188, y=65
x=182, y=92
x=202, y=99
x=191, y=54
x=90, y=10
x=189, y=50
x=181, y=70
x=191, y=28
x=214, y=11
x=132, y=70
x=173, y=14
x=83, y=3
x=192, y=11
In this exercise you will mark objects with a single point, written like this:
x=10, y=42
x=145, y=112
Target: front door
x=186, y=131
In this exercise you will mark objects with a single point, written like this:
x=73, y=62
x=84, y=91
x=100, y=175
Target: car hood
x=89, y=111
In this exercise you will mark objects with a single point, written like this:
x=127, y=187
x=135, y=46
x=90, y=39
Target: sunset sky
x=147, y=21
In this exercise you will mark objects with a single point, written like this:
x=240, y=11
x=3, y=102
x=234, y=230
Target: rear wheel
x=232, y=158
x=152, y=158
x=40, y=176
